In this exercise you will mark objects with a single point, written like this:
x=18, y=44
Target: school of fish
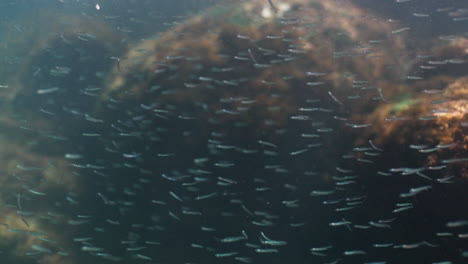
x=260, y=131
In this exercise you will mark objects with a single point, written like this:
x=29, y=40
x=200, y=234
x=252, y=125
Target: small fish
x=401, y=30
